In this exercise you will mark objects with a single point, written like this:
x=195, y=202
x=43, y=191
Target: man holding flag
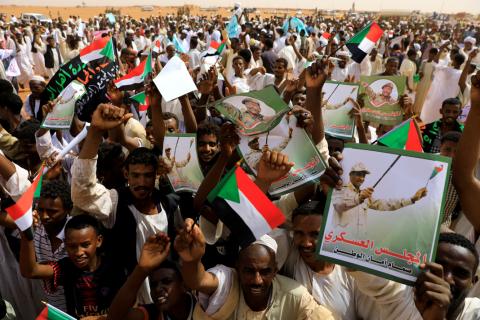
x=352, y=203
x=255, y=279
x=53, y=211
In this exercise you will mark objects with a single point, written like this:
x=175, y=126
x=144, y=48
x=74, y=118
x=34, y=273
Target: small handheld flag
x=52, y=313
x=436, y=170
x=178, y=46
x=215, y=49
x=363, y=42
x=100, y=48
x=21, y=211
x=404, y=136
x=142, y=99
x=136, y=77
x=324, y=38
x=243, y=207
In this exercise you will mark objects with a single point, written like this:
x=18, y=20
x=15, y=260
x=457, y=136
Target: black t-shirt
x=87, y=293
x=268, y=59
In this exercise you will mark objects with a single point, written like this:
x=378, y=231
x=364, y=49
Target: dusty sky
x=472, y=6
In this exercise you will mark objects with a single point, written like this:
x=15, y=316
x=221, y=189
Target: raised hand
x=366, y=193
x=48, y=107
x=316, y=74
x=154, y=252
x=163, y=166
x=154, y=96
x=304, y=117
x=116, y=96
x=273, y=166
x=432, y=292
x=108, y=116
x=190, y=242
x=421, y=193
x=208, y=81
x=229, y=139
x=472, y=54
x=332, y=176
x=291, y=85
x=356, y=112
x=406, y=104
x=475, y=90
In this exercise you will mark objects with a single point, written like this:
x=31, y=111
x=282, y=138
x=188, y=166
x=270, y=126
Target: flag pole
x=426, y=185
x=331, y=94
x=175, y=150
x=389, y=168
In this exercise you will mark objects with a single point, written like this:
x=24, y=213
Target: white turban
x=472, y=40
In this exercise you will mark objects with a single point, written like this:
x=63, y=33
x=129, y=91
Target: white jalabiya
x=444, y=86
x=24, y=64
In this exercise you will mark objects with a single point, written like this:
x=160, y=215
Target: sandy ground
x=134, y=11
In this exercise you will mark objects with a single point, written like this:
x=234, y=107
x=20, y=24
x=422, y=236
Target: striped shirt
x=44, y=252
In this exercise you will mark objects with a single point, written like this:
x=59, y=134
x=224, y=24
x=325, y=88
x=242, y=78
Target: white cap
x=37, y=78
x=267, y=241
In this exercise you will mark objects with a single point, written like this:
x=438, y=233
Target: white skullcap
x=267, y=241
x=472, y=40
x=417, y=46
x=37, y=78
x=343, y=53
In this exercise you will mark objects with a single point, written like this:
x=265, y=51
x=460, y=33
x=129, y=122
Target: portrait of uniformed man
x=249, y=118
x=172, y=166
x=379, y=99
x=351, y=203
x=255, y=154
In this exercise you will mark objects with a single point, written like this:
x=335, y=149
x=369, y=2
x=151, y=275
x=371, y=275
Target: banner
x=291, y=140
x=72, y=70
x=96, y=81
x=386, y=218
x=233, y=27
x=336, y=108
x=382, y=96
x=181, y=160
x=253, y=112
x=64, y=107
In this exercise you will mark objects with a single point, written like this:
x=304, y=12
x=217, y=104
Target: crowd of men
x=111, y=240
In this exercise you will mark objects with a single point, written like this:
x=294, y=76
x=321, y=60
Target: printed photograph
x=385, y=218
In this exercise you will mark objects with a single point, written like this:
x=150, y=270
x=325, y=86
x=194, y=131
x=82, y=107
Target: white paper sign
x=13, y=70
x=174, y=80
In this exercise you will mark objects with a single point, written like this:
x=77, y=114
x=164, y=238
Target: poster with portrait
x=181, y=160
x=253, y=112
x=64, y=107
x=336, y=107
x=382, y=98
x=291, y=140
x=385, y=219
